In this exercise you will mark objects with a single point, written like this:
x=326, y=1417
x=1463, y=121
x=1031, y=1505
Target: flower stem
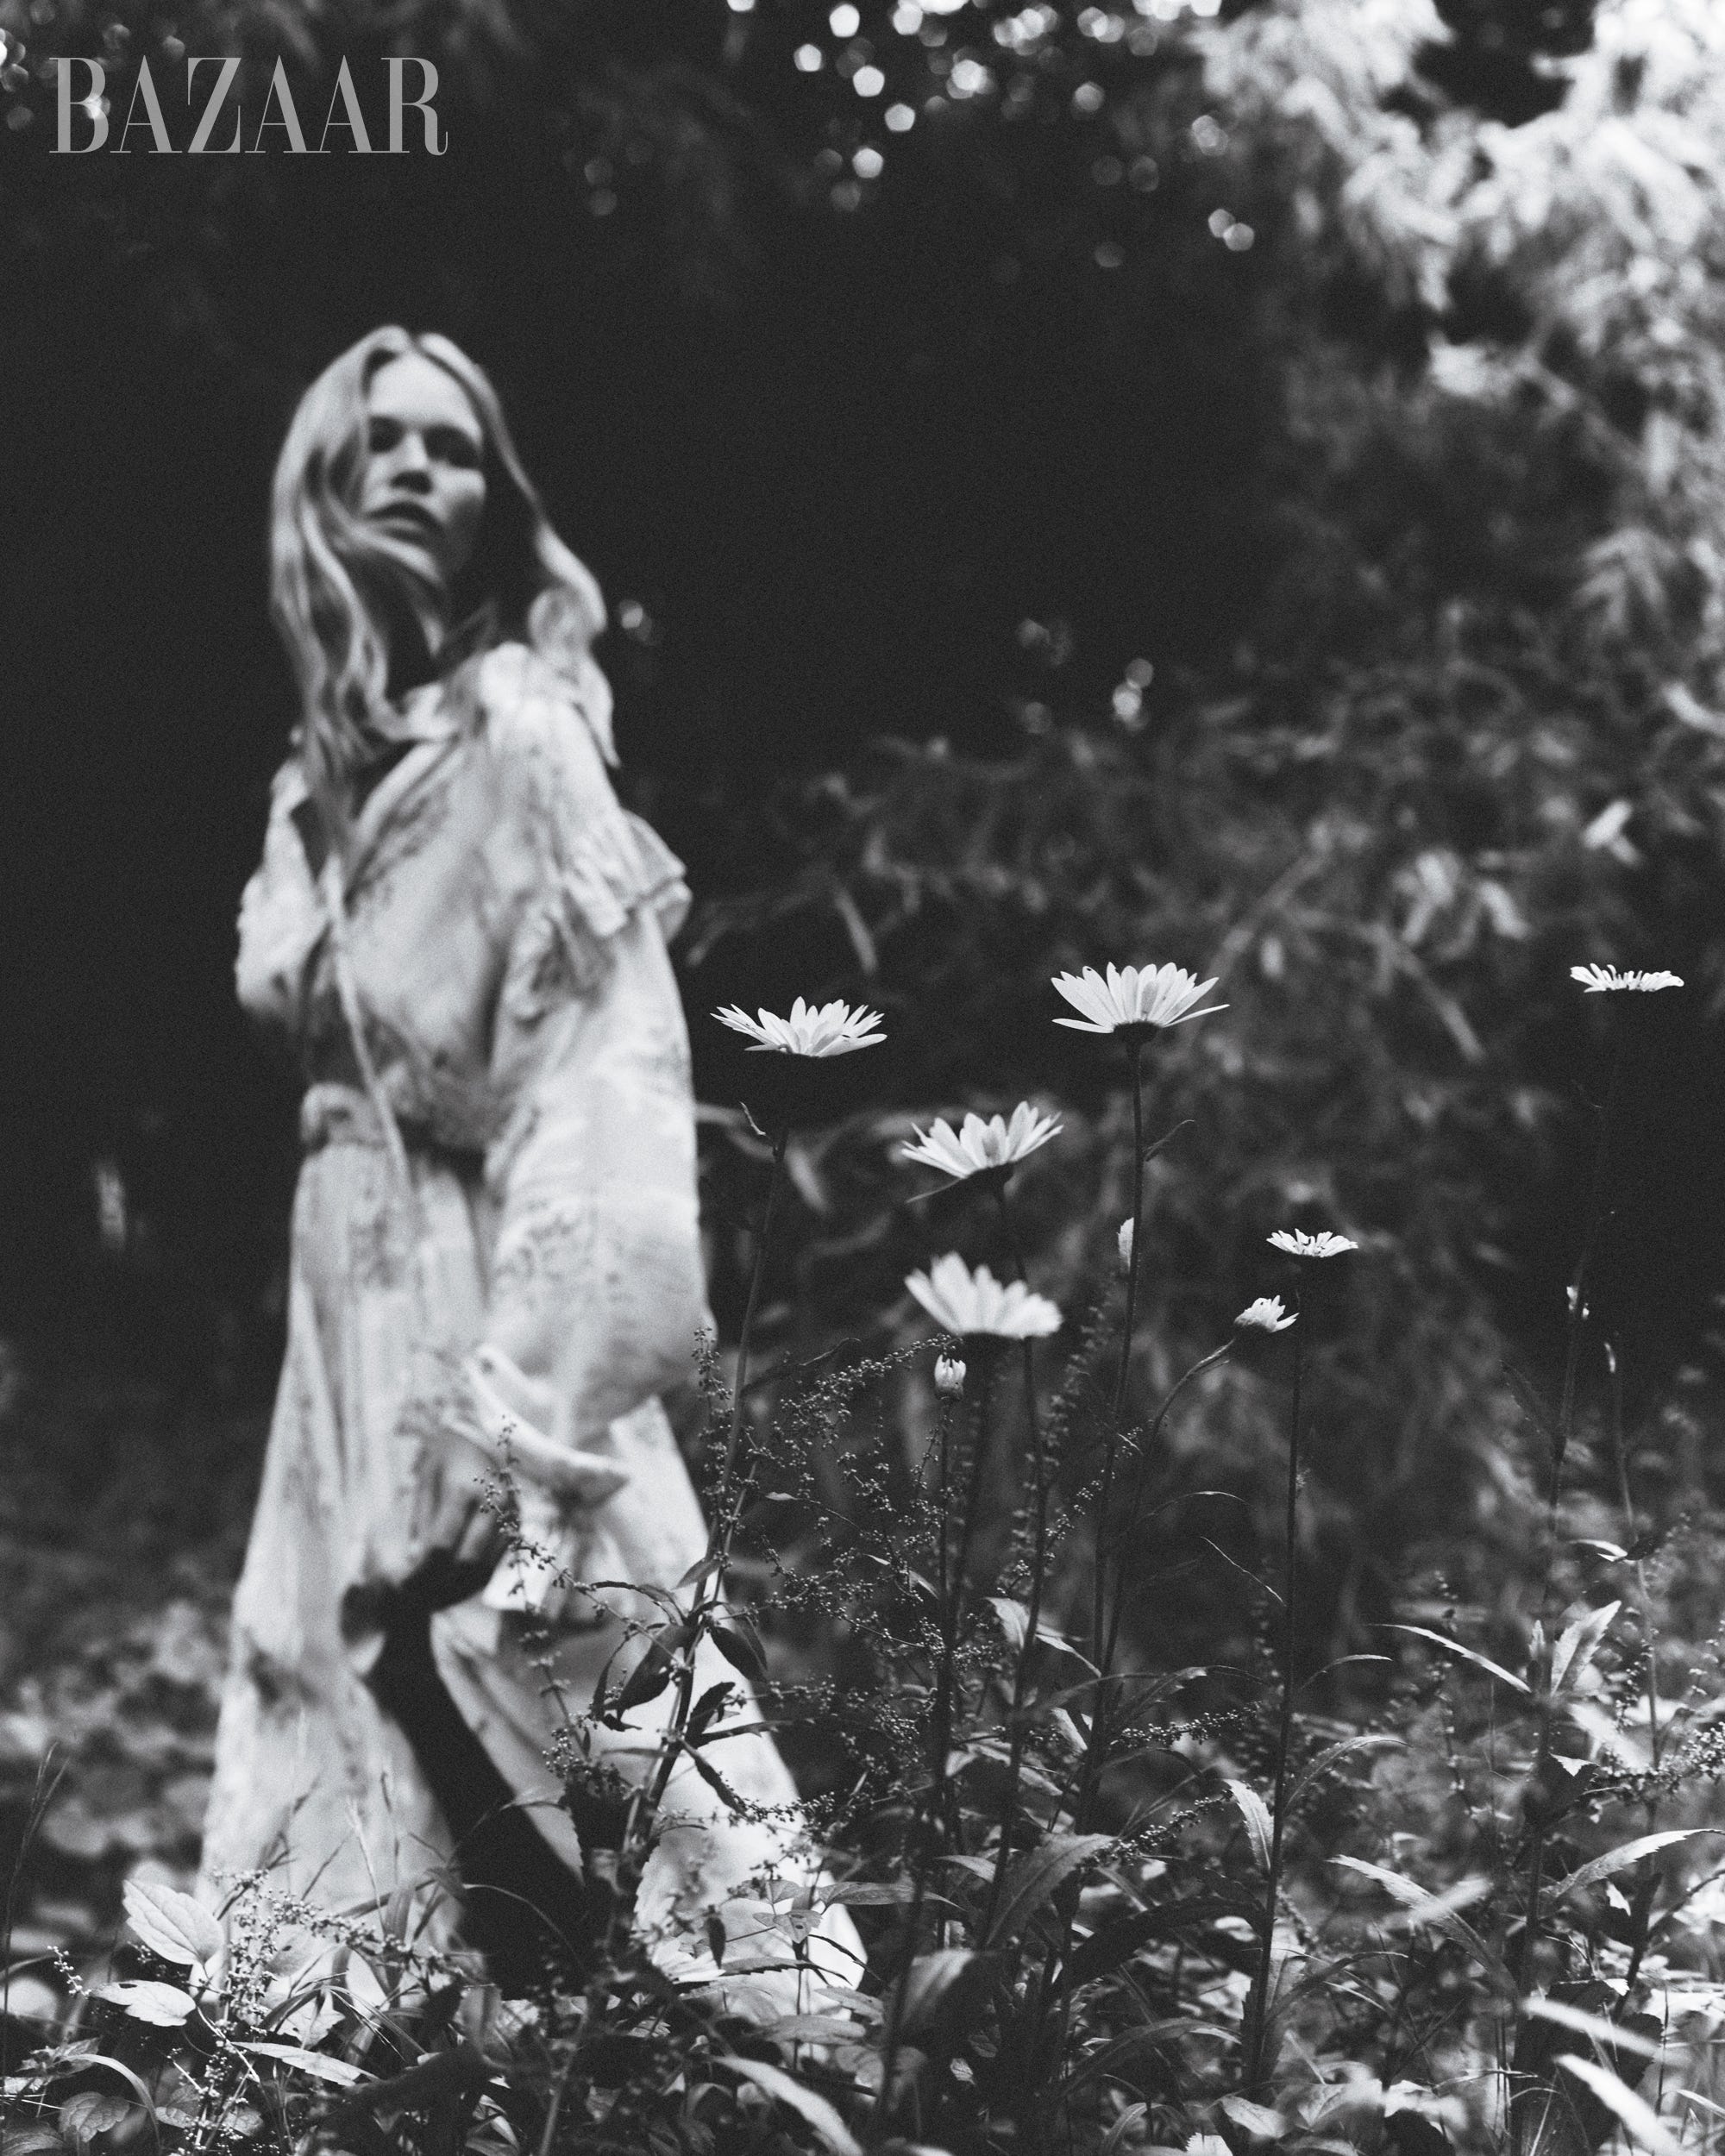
x=1631, y=1536
x=1527, y=1971
x=1578, y=1312
x=1100, y=1633
x=1123, y=1374
x=733, y=1439
x=1204, y=1362
x=1257, y=2008
x=929, y=1827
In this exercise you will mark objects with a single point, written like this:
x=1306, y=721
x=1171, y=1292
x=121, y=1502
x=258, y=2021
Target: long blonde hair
x=324, y=558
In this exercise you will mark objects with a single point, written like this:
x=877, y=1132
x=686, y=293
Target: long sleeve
x=281, y=918
x=596, y=1283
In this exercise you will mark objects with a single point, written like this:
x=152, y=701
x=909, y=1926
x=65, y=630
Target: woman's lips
x=410, y=517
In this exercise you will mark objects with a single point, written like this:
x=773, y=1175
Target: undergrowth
x=1457, y=1887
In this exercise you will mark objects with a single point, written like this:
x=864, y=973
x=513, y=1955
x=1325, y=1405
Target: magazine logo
x=217, y=124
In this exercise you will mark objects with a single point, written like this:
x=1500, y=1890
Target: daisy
x=833, y=1030
x=969, y=1303
x=1265, y=1315
x=979, y=1148
x=1298, y=1244
x=1133, y=997
x=949, y=1376
x=1597, y=979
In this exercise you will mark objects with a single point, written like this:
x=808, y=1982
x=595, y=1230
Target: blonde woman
x=494, y=1235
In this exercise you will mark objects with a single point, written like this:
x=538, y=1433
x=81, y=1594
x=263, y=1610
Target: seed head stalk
x=1033, y=1615
x=1258, y=2007
x=1104, y=1634
x=1067, y=1905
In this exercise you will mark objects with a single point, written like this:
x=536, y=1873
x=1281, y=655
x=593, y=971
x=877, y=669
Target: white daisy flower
x=1298, y=1244
x=1265, y=1315
x=833, y=1030
x=1132, y=996
x=977, y=1147
x=968, y=1303
x=1597, y=980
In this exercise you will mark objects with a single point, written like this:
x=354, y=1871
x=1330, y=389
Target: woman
x=495, y=1230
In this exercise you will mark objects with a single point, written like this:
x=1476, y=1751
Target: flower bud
x=949, y=1376
x=1124, y=1244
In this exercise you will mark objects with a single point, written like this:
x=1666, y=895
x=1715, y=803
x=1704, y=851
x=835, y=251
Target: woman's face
x=423, y=479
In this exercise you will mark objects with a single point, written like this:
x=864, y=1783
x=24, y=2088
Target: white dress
x=505, y=928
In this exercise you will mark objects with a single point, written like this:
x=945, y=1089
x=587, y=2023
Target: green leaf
x=1467, y=1654
x=715, y=1780
x=1619, y=1860
x=1117, y=1942
x=812, y=2028
x=172, y=1924
x=93, y=2112
x=649, y=1676
x=1262, y=2123
x=1037, y=1876
x=741, y=1653
x=1601, y=2030
x=1333, y=1755
x=814, y=2110
x=1635, y=2114
x=1439, y=1912
x=31, y=2141
x=1532, y=1404
x=318, y=2064
x=1259, y=1825
x=1014, y=1622
x=708, y=1707
x=1123, y=2128
x=163, y=2005
x=1577, y=1645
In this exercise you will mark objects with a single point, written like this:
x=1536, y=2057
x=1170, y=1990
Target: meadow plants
x=1463, y=1898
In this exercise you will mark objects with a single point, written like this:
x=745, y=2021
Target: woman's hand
x=487, y=1427
x=458, y=1535
x=515, y=1413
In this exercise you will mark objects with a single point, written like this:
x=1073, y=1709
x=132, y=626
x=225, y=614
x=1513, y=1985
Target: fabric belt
x=335, y=1113
x=340, y=1115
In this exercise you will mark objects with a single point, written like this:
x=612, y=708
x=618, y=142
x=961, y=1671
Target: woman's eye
x=455, y=449
x=382, y=434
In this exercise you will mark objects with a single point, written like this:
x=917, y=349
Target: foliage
x=1114, y=1903
x=1397, y=1836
